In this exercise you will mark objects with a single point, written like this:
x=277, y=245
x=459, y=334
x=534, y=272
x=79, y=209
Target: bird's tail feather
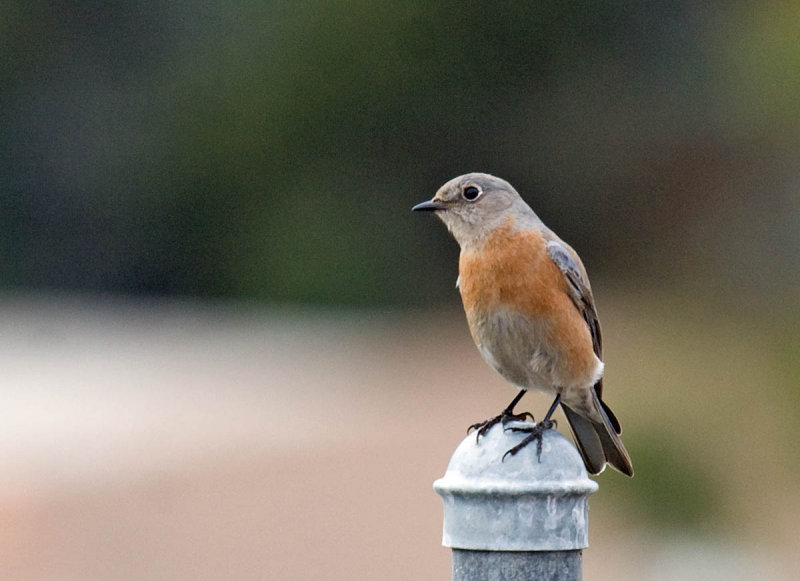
x=598, y=441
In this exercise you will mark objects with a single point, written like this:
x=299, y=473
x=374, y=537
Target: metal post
x=522, y=518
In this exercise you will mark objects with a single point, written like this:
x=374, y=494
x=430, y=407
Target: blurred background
x=231, y=351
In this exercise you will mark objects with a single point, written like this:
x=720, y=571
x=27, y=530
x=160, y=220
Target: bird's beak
x=429, y=206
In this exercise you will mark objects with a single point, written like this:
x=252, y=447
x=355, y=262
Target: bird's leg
x=535, y=432
x=505, y=416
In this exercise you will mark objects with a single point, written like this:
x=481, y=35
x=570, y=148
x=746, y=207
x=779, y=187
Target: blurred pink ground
x=188, y=442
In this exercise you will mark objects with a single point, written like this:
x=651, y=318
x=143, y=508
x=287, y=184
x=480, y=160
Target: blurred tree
x=273, y=149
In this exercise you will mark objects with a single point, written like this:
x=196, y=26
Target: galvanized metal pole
x=522, y=518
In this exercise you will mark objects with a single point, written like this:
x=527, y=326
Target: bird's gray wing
x=598, y=442
x=581, y=294
x=579, y=290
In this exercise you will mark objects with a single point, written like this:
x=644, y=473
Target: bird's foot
x=506, y=416
x=534, y=433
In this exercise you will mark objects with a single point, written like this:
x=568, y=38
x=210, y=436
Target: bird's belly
x=522, y=350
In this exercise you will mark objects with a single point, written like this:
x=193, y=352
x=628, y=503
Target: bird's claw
x=505, y=417
x=534, y=433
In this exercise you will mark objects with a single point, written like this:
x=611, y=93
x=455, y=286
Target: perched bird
x=530, y=312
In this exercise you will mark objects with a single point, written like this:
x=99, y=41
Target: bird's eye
x=471, y=193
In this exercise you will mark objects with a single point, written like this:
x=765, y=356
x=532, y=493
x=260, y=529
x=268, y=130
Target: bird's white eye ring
x=471, y=193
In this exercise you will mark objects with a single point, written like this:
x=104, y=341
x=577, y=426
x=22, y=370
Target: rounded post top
x=524, y=502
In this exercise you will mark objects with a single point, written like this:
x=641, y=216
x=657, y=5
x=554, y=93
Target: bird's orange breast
x=512, y=270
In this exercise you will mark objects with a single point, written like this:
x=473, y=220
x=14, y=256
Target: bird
x=531, y=313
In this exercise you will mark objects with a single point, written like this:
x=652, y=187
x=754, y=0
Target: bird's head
x=474, y=205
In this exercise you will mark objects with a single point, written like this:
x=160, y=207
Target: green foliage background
x=272, y=150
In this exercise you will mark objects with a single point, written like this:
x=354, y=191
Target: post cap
x=521, y=504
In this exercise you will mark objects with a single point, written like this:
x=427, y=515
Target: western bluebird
x=530, y=312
